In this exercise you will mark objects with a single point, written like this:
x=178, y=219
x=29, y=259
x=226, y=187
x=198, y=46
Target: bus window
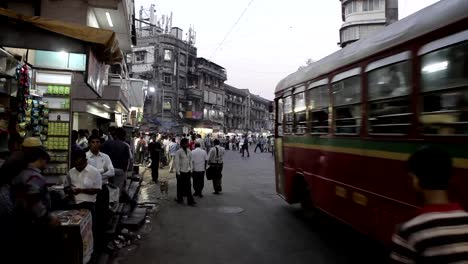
x=279, y=122
x=318, y=109
x=444, y=78
x=347, y=105
x=288, y=115
x=300, y=113
x=389, y=103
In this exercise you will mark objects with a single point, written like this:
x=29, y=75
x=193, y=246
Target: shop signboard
x=95, y=74
x=197, y=115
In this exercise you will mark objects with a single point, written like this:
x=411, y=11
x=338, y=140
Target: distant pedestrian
x=199, y=160
x=208, y=143
x=140, y=150
x=259, y=145
x=201, y=141
x=183, y=165
x=155, y=149
x=173, y=147
x=438, y=234
x=192, y=142
x=245, y=146
x=82, y=140
x=215, y=160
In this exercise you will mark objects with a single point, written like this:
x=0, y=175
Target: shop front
x=43, y=64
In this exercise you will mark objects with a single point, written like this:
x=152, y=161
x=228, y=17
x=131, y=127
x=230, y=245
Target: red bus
x=346, y=124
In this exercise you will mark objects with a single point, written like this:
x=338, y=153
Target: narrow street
x=248, y=223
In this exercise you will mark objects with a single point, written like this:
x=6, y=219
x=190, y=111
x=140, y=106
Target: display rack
x=54, y=89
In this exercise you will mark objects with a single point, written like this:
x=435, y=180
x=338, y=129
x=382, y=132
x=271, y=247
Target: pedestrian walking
x=438, y=233
x=173, y=147
x=259, y=145
x=155, y=149
x=245, y=146
x=199, y=160
x=140, y=150
x=208, y=143
x=183, y=165
x=215, y=161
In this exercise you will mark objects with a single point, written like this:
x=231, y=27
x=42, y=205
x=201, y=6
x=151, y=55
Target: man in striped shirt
x=439, y=232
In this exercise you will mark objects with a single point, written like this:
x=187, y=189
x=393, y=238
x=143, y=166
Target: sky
x=270, y=41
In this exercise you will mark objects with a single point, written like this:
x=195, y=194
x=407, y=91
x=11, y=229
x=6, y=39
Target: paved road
x=266, y=231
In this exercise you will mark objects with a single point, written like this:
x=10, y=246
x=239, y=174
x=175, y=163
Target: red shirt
x=191, y=145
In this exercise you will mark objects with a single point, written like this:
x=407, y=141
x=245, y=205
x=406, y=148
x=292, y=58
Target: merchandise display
x=54, y=114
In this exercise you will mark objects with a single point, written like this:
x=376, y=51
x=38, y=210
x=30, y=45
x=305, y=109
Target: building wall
x=73, y=11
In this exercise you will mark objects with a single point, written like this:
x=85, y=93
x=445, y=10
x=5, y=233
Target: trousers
x=184, y=187
x=198, y=181
x=217, y=179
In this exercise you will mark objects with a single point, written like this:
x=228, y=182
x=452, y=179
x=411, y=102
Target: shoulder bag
x=212, y=170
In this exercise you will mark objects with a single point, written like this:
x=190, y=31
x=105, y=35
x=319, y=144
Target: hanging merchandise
x=24, y=112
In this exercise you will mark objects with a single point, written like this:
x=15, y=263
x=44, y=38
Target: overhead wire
x=229, y=32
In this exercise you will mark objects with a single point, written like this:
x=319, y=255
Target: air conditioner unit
x=8, y=63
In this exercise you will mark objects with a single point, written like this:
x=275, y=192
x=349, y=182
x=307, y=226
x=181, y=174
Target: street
x=248, y=223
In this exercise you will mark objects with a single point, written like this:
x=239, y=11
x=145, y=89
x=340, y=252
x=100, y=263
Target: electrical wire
x=232, y=28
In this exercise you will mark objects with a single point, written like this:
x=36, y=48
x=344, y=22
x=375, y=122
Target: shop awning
x=16, y=31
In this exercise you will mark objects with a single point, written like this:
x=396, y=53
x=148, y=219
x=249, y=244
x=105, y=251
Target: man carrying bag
x=215, y=162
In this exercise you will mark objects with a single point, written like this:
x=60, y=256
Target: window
x=351, y=7
x=318, y=109
x=288, y=115
x=347, y=105
x=300, y=113
x=370, y=5
x=167, y=104
x=140, y=56
x=444, y=91
x=167, y=78
x=183, y=58
x=167, y=55
x=389, y=103
x=182, y=83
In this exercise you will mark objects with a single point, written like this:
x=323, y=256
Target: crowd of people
x=27, y=205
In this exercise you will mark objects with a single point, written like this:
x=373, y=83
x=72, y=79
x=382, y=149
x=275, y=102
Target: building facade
x=90, y=108
x=236, y=118
x=363, y=17
x=259, y=109
x=168, y=63
x=211, y=78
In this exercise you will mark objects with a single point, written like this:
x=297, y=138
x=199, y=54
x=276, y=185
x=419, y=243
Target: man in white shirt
x=83, y=183
x=99, y=160
x=183, y=165
x=201, y=141
x=215, y=160
x=103, y=164
x=199, y=161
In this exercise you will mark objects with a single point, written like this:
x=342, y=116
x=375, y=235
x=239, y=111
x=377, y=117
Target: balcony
x=194, y=92
x=219, y=73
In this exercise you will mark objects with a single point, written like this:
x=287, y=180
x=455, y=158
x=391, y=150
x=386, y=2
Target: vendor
x=83, y=183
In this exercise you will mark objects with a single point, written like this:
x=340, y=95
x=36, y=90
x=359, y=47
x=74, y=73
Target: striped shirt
x=439, y=234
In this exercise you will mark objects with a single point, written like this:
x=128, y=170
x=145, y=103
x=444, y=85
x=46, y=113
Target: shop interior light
x=109, y=19
x=63, y=54
x=152, y=90
x=106, y=106
x=435, y=67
